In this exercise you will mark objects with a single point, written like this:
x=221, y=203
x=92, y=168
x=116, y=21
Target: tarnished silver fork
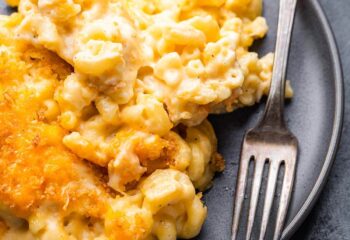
x=270, y=142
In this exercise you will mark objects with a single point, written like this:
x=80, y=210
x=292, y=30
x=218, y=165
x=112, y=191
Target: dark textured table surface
x=330, y=218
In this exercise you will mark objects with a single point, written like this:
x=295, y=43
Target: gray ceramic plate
x=314, y=115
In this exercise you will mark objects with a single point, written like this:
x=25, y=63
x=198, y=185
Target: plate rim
x=338, y=117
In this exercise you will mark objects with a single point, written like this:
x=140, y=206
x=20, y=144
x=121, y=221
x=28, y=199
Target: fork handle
x=273, y=115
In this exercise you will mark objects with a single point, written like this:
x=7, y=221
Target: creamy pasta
x=103, y=130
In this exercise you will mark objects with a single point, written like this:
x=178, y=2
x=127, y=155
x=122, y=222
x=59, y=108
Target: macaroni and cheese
x=103, y=107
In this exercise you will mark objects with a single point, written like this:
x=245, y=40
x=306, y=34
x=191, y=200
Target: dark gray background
x=330, y=218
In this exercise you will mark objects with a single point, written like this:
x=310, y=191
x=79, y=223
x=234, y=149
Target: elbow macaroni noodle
x=103, y=105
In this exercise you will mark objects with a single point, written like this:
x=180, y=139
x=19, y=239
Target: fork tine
x=258, y=171
x=240, y=191
x=270, y=192
x=285, y=197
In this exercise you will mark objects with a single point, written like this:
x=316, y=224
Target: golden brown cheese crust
x=35, y=167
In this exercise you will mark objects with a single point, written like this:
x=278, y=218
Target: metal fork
x=270, y=142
